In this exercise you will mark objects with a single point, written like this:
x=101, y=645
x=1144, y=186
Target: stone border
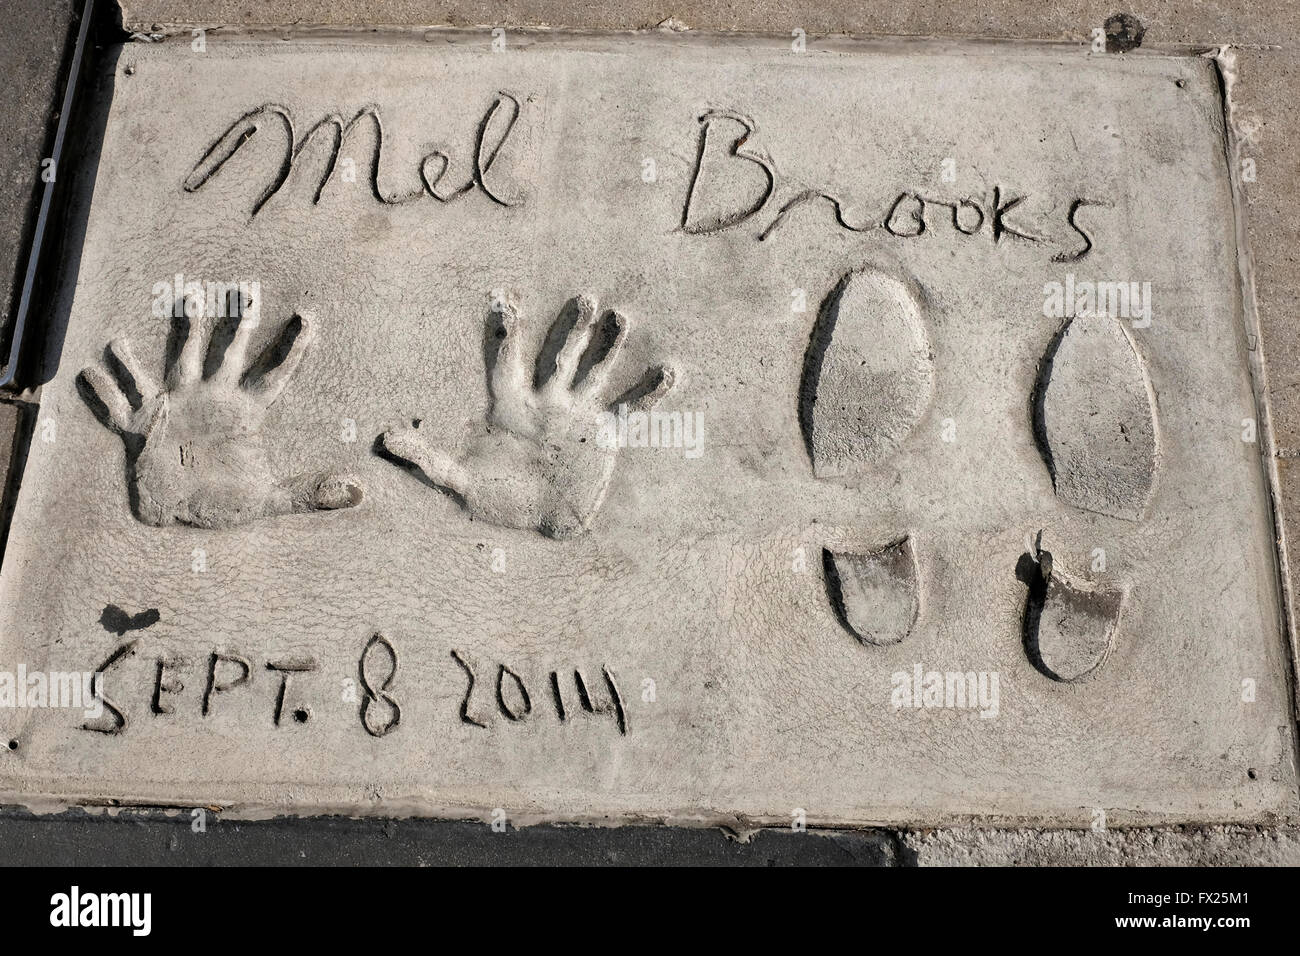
x=177, y=837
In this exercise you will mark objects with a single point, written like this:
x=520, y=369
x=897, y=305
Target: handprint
x=194, y=446
x=542, y=460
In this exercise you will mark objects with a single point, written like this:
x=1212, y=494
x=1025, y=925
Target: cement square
x=845, y=262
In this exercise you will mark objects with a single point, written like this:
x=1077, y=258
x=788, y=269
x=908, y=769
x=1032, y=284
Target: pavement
x=34, y=39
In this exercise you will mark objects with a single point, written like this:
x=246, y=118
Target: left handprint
x=194, y=446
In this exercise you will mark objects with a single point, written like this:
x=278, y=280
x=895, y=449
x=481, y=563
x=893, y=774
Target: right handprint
x=544, y=458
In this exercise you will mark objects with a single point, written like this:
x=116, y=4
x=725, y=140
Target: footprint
x=875, y=595
x=868, y=374
x=1069, y=625
x=1094, y=418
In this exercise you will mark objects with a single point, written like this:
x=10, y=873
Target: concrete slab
x=1260, y=86
x=1162, y=21
x=651, y=633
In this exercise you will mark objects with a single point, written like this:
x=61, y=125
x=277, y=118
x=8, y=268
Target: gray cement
x=1262, y=40
x=263, y=578
x=35, y=43
x=1260, y=93
x=1175, y=846
x=1163, y=21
